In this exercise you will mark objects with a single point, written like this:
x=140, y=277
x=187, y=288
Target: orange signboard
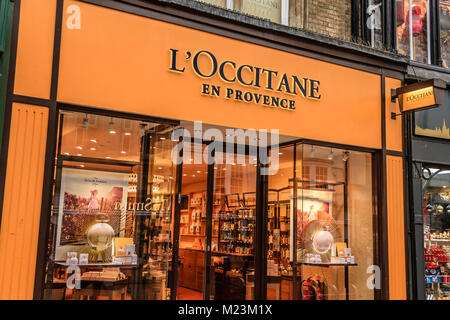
x=417, y=99
x=120, y=61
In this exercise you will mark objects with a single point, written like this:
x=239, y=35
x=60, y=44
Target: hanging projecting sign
x=420, y=95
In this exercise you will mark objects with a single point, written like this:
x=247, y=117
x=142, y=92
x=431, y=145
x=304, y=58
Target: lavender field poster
x=85, y=197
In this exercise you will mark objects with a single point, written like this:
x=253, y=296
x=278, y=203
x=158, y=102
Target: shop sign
x=206, y=66
x=421, y=95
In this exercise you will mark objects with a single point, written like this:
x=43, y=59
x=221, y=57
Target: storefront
x=430, y=214
x=163, y=157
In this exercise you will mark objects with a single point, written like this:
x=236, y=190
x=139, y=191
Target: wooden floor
x=188, y=294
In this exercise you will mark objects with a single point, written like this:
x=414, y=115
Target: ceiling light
x=67, y=154
x=79, y=154
x=198, y=171
x=82, y=165
x=444, y=186
x=93, y=140
x=331, y=155
x=111, y=127
x=127, y=133
x=93, y=149
x=193, y=175
x=162, y=138
x=123, y=152
x=159, y=168
x=79, y=148
x=280, y=153
x=345, y=157
x=107, y=157
x=184, y=175
x=85, y=123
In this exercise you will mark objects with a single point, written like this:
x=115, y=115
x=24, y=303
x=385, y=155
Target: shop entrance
x=217, y=223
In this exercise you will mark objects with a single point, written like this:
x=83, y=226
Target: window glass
x=374, y=23
x=436, y=218
x=320, y=226
x=335, y=231
x=217, y=3
x=412, y=38
x=265, y=9
x=444, y=11
x=112, y=210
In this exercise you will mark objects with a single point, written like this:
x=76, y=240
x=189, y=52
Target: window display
x=320, y=228
x=112, y=210
x=413, y=30
x=436, y=217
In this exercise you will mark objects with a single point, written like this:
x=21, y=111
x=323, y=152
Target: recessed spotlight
x=81, y=165
x=123, y=152
x=159, y=168
x=184, y=175
x=79, y=148
x=93, y=149
x=79, y=154
x=107, y=157
x=127, y=133
x=93, y=140
x=111, y=127
x=444, y=186
x=193, y=175
x=67, y=154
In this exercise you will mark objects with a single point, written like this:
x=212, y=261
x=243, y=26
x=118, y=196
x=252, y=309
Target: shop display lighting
x=345, y=157
x=331, y=155
x=86, y=122
x=111, y=127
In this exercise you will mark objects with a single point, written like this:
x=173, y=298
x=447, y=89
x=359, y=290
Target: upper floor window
x=330, y=18
x=444, y=32
x=413, y=32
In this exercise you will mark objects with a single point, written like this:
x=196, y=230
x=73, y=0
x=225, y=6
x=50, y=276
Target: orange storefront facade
x=95, y=83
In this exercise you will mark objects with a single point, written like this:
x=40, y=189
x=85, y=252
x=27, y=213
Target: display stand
x=300, y=184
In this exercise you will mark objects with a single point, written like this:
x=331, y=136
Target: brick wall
x=329, y=17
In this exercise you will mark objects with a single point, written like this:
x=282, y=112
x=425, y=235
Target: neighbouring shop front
x=430, y=187
x=188, y=162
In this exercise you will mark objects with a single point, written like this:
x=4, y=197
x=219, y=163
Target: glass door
x=232, y=226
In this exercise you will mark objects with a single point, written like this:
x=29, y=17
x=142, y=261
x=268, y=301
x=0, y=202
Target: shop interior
x=436, y=204
x=114, y=217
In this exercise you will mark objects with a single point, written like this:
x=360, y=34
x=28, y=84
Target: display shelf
x=326, y=265
x=99, y=265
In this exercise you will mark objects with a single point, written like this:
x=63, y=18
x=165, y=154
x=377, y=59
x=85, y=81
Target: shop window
x=330, y=18
x=374, y=23
x=436, y=219
x=320, y=229
x=112, y=209
x=413, y=29
x=444, y=32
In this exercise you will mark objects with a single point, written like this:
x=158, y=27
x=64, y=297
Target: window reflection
x=412, y=38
